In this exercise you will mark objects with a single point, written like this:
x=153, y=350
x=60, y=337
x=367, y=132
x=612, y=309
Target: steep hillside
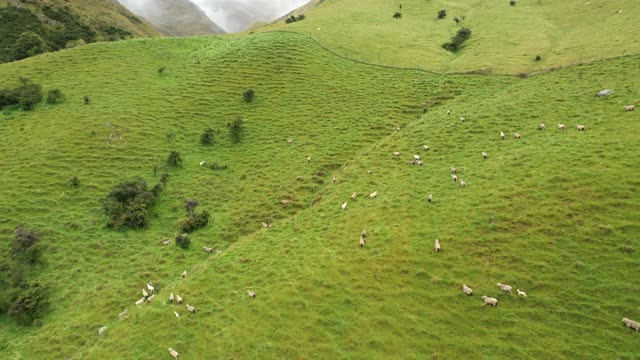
x=29, y=28
x=175, y=18
x=554, y=213
x=505, y=39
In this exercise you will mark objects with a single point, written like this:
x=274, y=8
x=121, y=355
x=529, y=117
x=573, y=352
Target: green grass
x=554, y=213
x=505, y=39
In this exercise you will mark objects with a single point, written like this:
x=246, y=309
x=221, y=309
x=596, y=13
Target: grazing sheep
x=265, y=225
x=373, y=195
x=361, y=242
x=176, y=314
x=145, y=293
x=398, y=128
x=453, y=170
x=631, y=324
x=462, y=119
x=505, y=288
x=173, y=353
x=467, y=290
x=139, y=302
x=202, y=163
x=207, y=249
x=485, y=155
x=396, y=153
x=580, y=127
x=605, y=92
x=353, y=196
x=289, y=141
x=517, y=136
x=463, y=183
x=299, y=178
x=425, y=147
x=151, y=288
x=284, y=202
x=436, y=246
x=416, y=157
x=454, y=177
x=541, y=126
x=179, y=299
x=184, y=274
x=448, y=112
x=171, y=298
x=430, y=198
x=334, y=179
x=166, y=242
x=501, y=135
x=490, y=301
x=102, y=330
x=561, y=127
x=364, y=233
x=521, y=293
x=251, y=294
x=419, y=162
x=629, y=108
x=123, y=314
x=191, y=309
x=411, y=162
x=308, y=158
x=150, y=298
x=344, y=206
x=369, y=172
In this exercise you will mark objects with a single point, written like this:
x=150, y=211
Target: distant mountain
x=174, y=17
x=29, y=28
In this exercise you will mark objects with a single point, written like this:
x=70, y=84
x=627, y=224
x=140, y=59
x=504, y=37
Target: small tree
x=248, y=95
x=28, y=94
x=207, y=137
x=28, y=44
x=74, y=182
x=161, y=70
x=538, y=57
x=456, y=42
x=174, y=159
x=236, y=130
x=195, y=222
x=442, y=14
x=183, y=241
x=191, y=205
x=54, y=96
x=86, y=100
x=29, y=304
x=397, y=15
x=512, y=2
x=163, y=179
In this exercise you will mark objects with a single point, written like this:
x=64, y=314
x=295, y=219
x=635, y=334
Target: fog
x=231, y=15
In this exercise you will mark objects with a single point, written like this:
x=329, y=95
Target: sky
x=232, y=15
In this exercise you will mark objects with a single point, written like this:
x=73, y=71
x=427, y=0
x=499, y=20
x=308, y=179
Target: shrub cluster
x=397, y=15
x=293, y=18
x=26, y=95
x=183, y=241
x=174, y=159
x=194, y=221
x=248, y=95
x=207, y=137
x=236, y=130
x=442, y=14
x=456, y=42
x=129, y=203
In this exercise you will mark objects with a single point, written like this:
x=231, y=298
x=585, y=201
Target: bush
x=215, y=166
x=163, y=179
x=236, y=130
x=174, y=159
x=24, y=248
x=207, y=137
x=456, y=42
x=28, y=44
x=248, y=95
x=161, y=70
x=195, y=222
x=54, y=96
x=292, y=19
x=397, y=15
x=512, y=2
x=128, y=204
x=29, y=304
x=183, y=241
x=442, y=14
x=538, y=57
x=27, y=95
x=87, y=100
x=191, y=205
x=74, y=182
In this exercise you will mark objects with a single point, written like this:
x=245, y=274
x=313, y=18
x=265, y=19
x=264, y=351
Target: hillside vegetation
x=506, y=39
x=553, y=213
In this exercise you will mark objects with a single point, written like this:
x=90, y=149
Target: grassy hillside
x=554, y=213
x=506, y=39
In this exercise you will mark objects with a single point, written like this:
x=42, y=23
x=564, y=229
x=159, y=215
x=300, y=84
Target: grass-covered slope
x=505, y=39
x=554, y=213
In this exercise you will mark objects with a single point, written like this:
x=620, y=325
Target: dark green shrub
x=163, y=179
x=174, y=159
x=207, y=137
x=25, y=248
x=538, y=57
x=191, y=205
x=456, y=42
x=442, y=14
x=74, y=182
x=195, y=222
x=236, y=130
x=87, y=100
x=512, y=2
x=54, y=96
x=30, y=303
x=397, y=15
x=248, y=95
x=161, y=70
x=128, y=204
x=215, y=166
x=28, y=44
x=183, y=241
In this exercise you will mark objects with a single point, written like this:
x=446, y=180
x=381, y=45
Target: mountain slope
x=175, y=18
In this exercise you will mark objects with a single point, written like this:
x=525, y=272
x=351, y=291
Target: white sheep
x=145, y=293
x=362, y=243
x=150, y=298
x=561, y=127
x=285, y=202
x=454, y=178
x=178, y=299
x=419, y=162
x=629, y=108
x=139, y=302
x=453, y=170
x=353, y=196
x=171, y=298
x=176, y=314
x=334, y=179
x=631, y=324
x=396, y=153
x=373, y=195
x=425, y=147
x=166, y=242
x=436, y=246
x=580, y=127
x=202, y=163
x=123, y=314
x=541, y=126
x=207, y=249
x=517, y=136
x=605, y=92
x=416, y=157
x=174, y=354
x=290, y=141
x=265, y=225
x=308, y=158
x=490, y=301
x=364, y=233
x=151, y=288
x=369, y=172
x=462, y=119
x=430, y=198
x=448, y=112
x=485, y=155
x=521, y=293
x=102, y=330
x=184, y=274
x=252, y=294
x=467, y=290
x=501, y=135
x=344, y=206
x=191, y=309
x=463, y=183
x=504, y=288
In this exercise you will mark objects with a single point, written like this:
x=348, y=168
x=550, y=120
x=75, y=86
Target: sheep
x=541, y=126
x=290, y=141
x=176, y=314
x=171, y=298
x=436, y=246
x=265, y=225
x=467, y=290
x=207, y=249
x=505, y=288
x=344, y=206
x=334, y=179
x=396, y=153
x=521, y=293
x=184, y=274
x=631, y=324
x=411, y=162
x=151, y=288
x=299, y=178
x=462, y=119
x=398, y=129
x=191, y=309
x=430, y=198
x=166, y=242
x=490, y=301
x=454, y=178
x=150, y=298
x=448, y=112
x=485, y=155
x=425, y=147
x=123, y=314
x=373, y=195
x=453, y=170
x=416, y=157
x=369, y=172
x=463, y=183
x=145, y=293
x=173, y=353
x=605, y=92
x=139, y=302
x=580, y=127
x=179, y=299
x=285, y=202
x=361, y=242
x=501, y=135
x=252, y=294
x=202, y=163
x=353, y=196
x=517, y=136
x=102, y=330
x=561, y=127
x=364, y=233
x=308, y=158
x=629, y=108
x=419, y=162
